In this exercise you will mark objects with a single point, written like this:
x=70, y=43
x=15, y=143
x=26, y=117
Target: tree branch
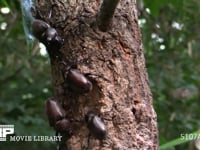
x=106, y=13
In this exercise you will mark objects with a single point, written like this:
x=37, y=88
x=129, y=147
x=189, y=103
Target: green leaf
x=4, y=3
x=183, y=139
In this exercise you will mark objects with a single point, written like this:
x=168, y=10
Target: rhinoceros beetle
x=74, y=80
x=56, y=117
x=46, y=34
x=95, y=125
x=52, y=38
x=78, y=82
x=39, y=27
x=53, y=111
x=63, y=125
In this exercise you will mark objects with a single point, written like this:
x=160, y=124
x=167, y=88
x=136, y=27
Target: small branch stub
x=106, y=13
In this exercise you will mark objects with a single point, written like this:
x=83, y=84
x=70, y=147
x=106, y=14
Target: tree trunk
x=124, y=101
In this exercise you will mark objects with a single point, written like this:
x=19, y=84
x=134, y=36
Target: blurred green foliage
x=171, y=43
x=25, y=81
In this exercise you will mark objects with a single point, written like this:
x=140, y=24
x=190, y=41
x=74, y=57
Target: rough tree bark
x=124, y=103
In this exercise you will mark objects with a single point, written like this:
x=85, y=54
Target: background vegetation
x=170, y=31
x=171, y=42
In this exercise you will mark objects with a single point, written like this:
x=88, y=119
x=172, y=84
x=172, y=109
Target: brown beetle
x=52, y=38
x=63, y=126
x=39, y=28
x=95, y=125
x=46, y=34
x=53, y=111
x=78, y=82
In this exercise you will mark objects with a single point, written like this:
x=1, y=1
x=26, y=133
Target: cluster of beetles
x=76, y=81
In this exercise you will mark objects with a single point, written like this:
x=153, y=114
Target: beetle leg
x=90, y=75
